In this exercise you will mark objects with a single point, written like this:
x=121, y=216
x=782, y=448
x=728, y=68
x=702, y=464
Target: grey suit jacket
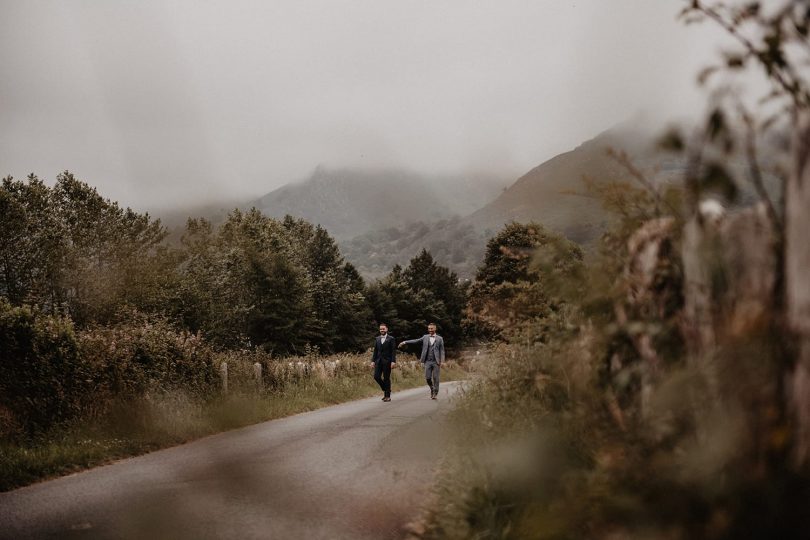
x=439, y=347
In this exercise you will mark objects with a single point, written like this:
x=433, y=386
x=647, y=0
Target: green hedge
x=49, y=373
x=42, y=379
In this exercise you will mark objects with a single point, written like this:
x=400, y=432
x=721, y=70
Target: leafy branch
x=786, y=27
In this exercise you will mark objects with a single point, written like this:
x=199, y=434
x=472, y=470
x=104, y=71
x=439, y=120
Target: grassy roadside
x=162, y=420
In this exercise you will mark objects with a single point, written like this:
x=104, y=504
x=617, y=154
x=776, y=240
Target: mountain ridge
x=552, y=192
x=385, y=216
x=352, y=201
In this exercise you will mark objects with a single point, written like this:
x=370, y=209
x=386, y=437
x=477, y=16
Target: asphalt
x=357, y=470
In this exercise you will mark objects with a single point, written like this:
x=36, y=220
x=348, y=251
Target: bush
x=139, y=355
x=42, y=378
x=49, y=373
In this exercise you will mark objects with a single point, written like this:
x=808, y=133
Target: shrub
x=42, y=378
x=140, y=354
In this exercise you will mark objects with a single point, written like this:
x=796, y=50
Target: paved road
x=358, y=470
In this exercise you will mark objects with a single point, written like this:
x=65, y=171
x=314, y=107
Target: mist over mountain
x=383, y=217
x=452, y=243
x=349, y=202
x=553, y=193
x=216, y=212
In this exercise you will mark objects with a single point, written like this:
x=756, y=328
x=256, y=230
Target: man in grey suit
x=383, y=359
x=432, y=357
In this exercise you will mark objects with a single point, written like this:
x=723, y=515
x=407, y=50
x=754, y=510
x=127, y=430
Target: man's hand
x=393, y=365
x=371, y=364
x=401, y=344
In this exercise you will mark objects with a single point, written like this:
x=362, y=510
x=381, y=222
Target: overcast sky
x=159, y=103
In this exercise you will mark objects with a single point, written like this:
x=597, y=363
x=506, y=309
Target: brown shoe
x=386, y=399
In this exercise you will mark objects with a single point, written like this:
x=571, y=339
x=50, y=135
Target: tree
x=67, y=249
x=336, y=288
x=440, y=291
x=32, y=245
x=385, y=299
x=108, y=251
x=423, y=292
x=517, y=283
x=279, y=317
x=242, y=286
x=281, y=285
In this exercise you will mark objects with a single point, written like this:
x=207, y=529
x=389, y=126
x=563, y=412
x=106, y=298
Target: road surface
x=357, y=470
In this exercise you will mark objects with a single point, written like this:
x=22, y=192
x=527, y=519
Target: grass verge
x=163, y=419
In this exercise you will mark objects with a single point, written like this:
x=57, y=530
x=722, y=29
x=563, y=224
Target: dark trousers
x=382, y=374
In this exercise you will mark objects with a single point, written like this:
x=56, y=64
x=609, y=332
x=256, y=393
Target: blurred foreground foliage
x=666, y=395
x=598, y=417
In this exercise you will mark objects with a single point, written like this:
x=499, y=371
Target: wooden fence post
x=257, y=374
x=797, y=282
x=223, y=374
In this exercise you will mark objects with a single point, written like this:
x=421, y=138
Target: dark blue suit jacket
x=385, y=352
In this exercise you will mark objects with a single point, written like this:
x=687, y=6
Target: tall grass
x=547, y=447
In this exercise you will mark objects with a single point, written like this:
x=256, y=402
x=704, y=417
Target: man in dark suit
x=383, y=359
x=432, y=357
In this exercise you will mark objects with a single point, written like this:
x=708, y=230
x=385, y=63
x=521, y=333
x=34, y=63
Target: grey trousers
x=432, y=375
